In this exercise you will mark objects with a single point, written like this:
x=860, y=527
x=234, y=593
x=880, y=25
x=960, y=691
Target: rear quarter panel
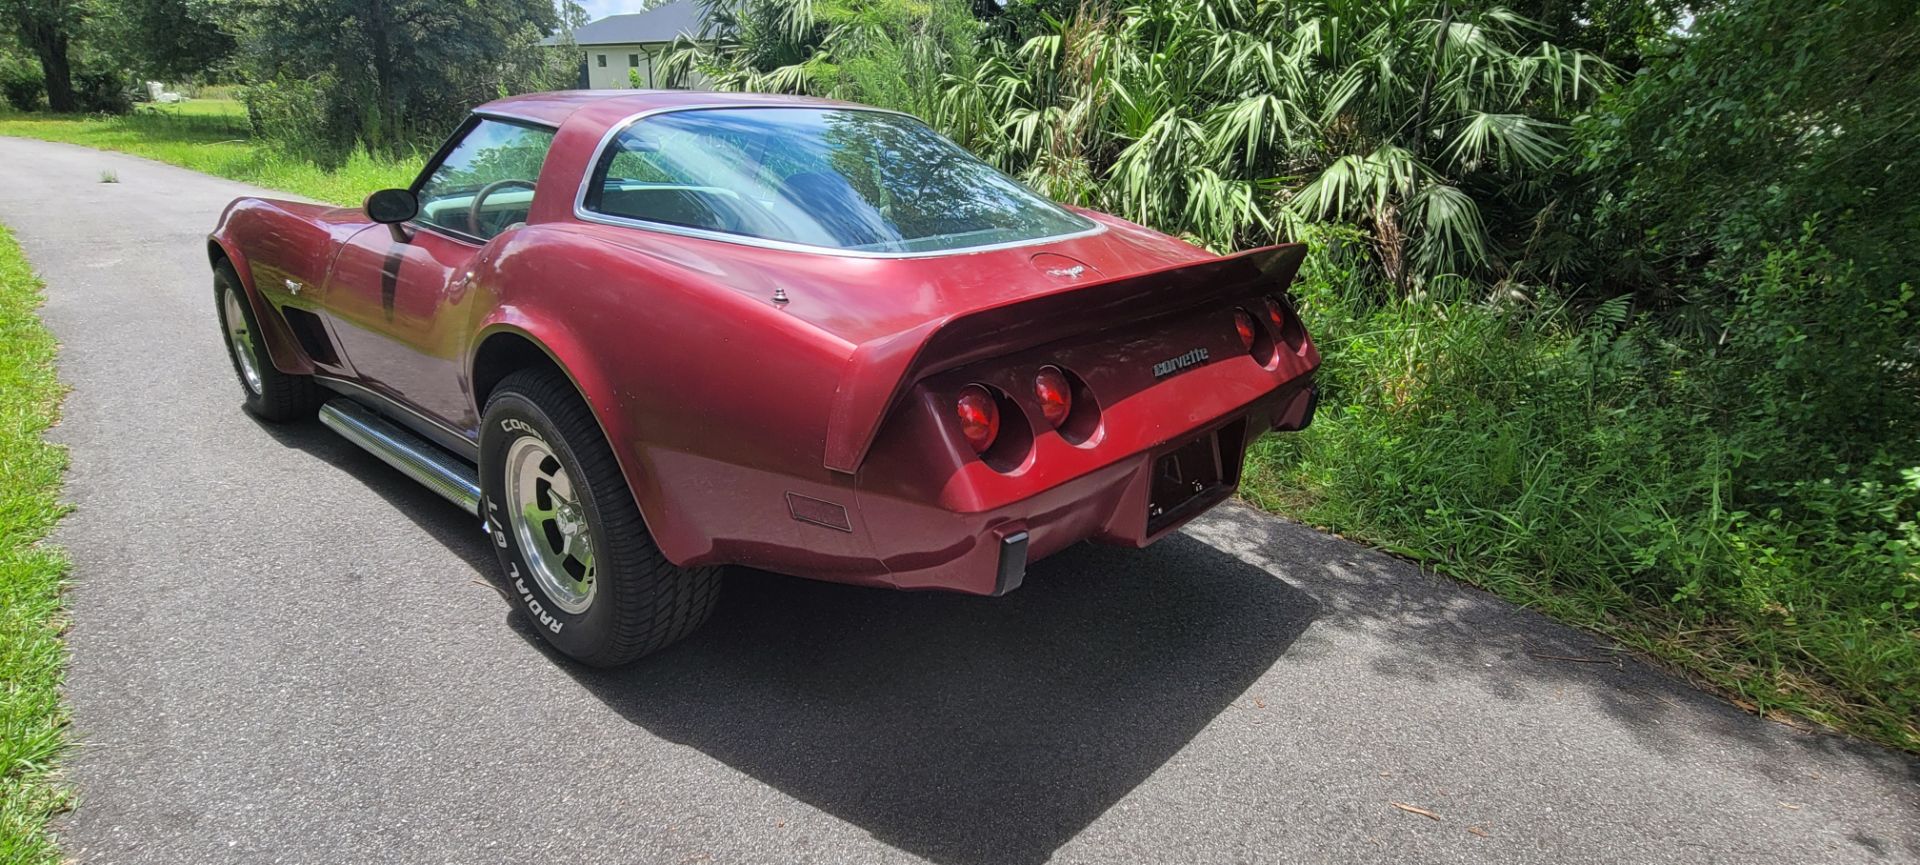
x=713, y=397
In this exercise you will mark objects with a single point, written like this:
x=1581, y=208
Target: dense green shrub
x=1587, y=467
x=21, y=85
x=1755, y=186
x=391, y=78
x=301, y=119
x=98, y=91
x=1436, y=128
x=895, y=54
x=1768, y=112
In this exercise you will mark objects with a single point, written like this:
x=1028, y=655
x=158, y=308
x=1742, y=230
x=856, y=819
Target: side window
x=603, y=61
x=485, y=185
x=640, y=178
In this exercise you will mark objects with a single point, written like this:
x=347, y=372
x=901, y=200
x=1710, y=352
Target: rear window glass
x=844, y=179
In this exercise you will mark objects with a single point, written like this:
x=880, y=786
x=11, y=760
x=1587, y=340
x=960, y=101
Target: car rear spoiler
x=881, y=371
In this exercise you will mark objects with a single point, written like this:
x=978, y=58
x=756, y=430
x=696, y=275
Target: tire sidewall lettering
x=623, y=621
x=504, y=540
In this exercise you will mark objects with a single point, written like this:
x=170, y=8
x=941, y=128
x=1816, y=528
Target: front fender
x=279, y=248
x=282, y=349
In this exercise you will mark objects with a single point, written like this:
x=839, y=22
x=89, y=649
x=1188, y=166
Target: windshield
x=845, y=179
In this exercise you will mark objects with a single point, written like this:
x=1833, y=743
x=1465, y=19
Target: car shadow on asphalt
x=961, y=729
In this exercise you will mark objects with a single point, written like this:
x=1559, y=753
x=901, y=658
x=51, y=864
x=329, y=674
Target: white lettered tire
x=577, y=555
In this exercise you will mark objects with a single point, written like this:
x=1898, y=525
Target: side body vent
x=312, y=334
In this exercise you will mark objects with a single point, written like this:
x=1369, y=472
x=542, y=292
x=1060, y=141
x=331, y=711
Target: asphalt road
x=285, y=652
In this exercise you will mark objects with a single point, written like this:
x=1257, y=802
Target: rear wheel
x=577, y=555
x=271, y=394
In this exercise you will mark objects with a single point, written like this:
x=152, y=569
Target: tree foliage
x=387, y=75
x=1754, y=186
x=1767, y=113
x=170, y=40
x=46, y=29
x=890, y=53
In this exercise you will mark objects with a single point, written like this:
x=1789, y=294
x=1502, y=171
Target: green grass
x=211, y=136
x=224, y=107
x=32, y=616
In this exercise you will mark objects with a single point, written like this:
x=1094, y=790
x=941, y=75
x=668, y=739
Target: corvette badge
x=1177, y=364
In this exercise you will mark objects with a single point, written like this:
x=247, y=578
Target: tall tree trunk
x=386, y=97
x=50, y=44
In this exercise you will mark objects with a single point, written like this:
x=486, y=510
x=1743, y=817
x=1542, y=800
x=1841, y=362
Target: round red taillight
x=1243, y=322
x=1055, y=394
x=1276, y=313
x=979, y=417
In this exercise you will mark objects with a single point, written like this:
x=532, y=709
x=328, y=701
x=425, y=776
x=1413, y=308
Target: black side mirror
x=392, y=206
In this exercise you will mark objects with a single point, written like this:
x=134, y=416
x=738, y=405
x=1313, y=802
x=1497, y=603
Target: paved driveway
x=284, y=652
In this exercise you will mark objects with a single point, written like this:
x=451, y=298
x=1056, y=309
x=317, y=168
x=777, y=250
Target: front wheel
x=271, y=394
x=576, y=553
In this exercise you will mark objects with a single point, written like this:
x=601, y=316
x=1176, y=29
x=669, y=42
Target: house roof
x=660, y=24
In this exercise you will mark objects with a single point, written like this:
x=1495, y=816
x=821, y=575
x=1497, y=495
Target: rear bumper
x=926, y=545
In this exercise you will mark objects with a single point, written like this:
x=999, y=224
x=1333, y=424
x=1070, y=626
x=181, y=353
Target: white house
x=617, y=49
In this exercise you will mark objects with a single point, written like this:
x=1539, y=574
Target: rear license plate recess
x=1191, y=476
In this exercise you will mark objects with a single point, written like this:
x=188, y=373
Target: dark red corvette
x=645, y=335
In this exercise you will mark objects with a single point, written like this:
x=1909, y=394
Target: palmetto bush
x=1435, y=127
x=889, y=53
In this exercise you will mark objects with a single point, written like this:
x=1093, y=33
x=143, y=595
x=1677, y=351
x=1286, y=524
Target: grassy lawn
x=231, y=109
x=211, y=136
x=32, y=719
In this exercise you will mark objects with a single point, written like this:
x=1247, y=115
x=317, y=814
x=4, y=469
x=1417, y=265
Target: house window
x=603, y=61
x=633, y=60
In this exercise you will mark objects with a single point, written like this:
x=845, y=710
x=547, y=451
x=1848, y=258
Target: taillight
x=979, y=417
x=1243, y=322
x=1276, y=314
x=1286, y=323
x=1050, y=386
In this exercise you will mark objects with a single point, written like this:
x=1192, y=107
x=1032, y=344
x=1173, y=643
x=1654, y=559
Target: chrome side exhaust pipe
x=445, y=474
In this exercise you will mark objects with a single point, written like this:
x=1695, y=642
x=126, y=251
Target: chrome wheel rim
x=551, y=524
x=242, y=338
